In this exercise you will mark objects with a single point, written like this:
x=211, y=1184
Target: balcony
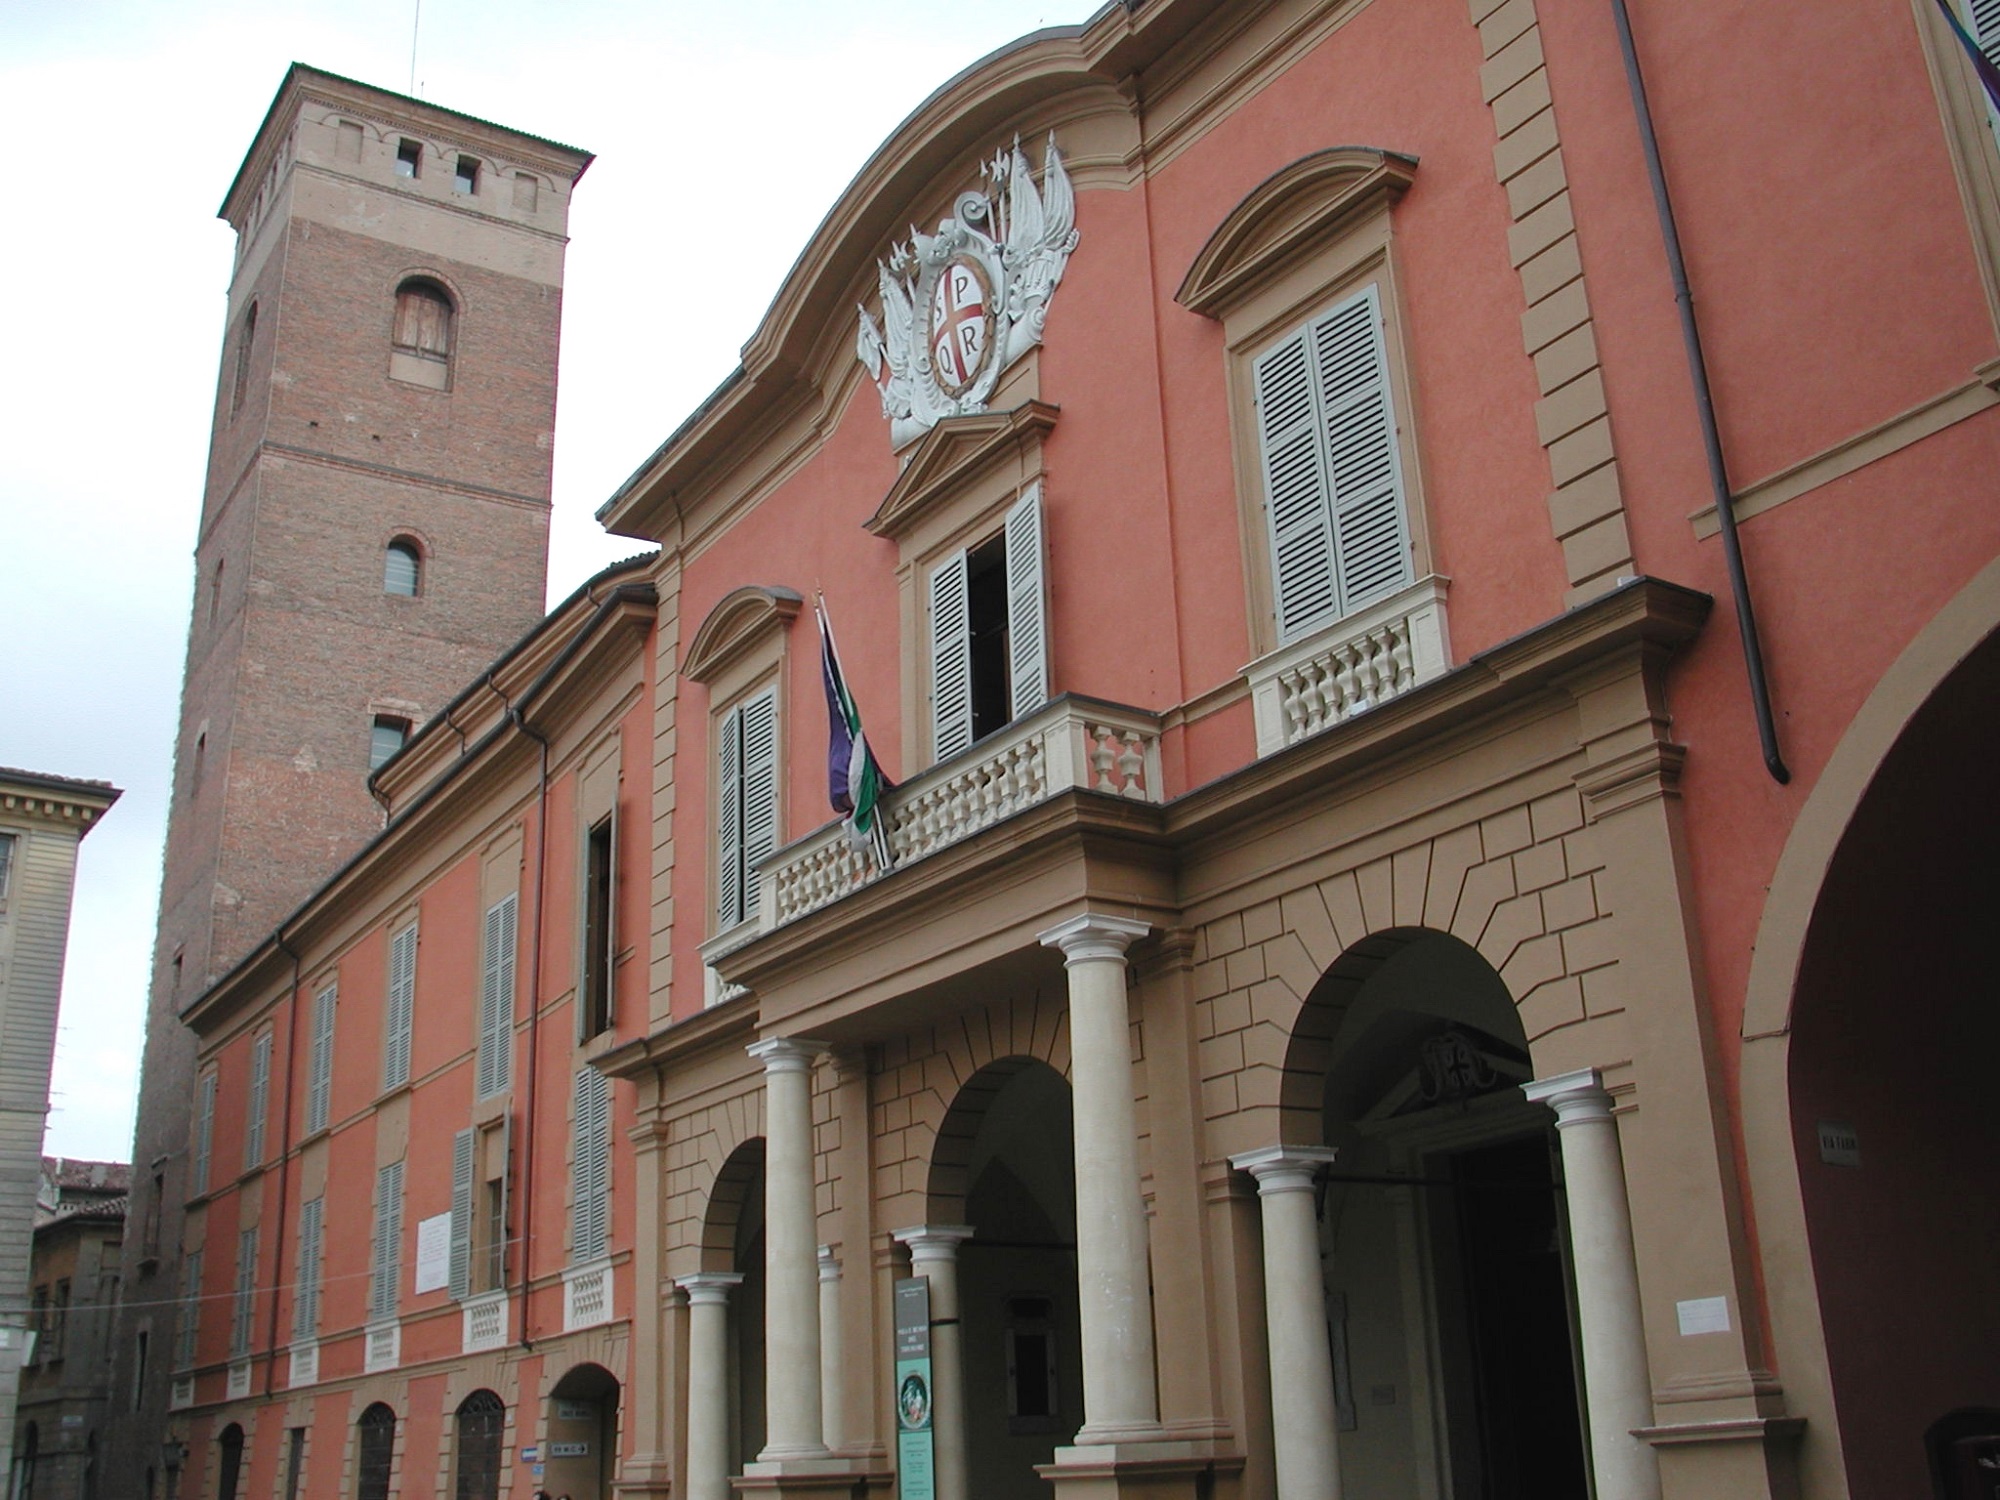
x=1072, y=743
x=586, y=1295
x=1350, y=666
x=484, y=1321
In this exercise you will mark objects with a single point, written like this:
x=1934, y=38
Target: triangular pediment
x=957, y=452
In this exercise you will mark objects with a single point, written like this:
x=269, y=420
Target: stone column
x=934, y=1256
x=1120, y=1400
x=791, y=1253
x=1304, y=1424
x=707, y=1476
x=832, y=1427
x=1617, y=1387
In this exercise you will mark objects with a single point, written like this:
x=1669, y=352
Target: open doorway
x=581, y=1452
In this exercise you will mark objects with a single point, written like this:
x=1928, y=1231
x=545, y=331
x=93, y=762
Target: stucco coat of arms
x=961, y=305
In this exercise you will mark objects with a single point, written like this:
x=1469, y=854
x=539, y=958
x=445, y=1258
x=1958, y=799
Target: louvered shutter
x=1985, y=27
x=204, y=1130
x=187, y=1334
x=388, y=1239
x=590, y=1168
x=1295, y=488
x=1371, y=533
x=244, y=1316
x=760, y=789
x=463, y=1147
x=1027, y=635
x=260, y=1100
x=496, y=1000
x=729, y=822
x=401, y=1009
x=609, y=937
x=951, y=659
x=305, y=1299
x=319, y=1082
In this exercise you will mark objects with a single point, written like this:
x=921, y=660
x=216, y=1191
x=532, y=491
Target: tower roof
x=301, y=80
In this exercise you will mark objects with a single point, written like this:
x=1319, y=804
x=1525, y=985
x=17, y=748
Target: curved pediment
x=741, y=618
x=1288, y=215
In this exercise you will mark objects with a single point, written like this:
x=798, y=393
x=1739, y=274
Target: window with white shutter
x=1982, y=18
x=464, y=1151
x=319, y=1060
x=305, y=1296
x=260, y=1101
x=746, y=803
x=590, y=1168
x=187, y=1332
x=388, y=1240
x=988, y=631
x=1333, y=484
x=400, y=1013
x=496, y=1000
x=243, y=1315
x=204, y=1131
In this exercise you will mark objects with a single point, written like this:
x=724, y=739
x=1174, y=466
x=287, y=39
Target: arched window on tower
x=420, y=346
x=402, y=568
x=246, y=336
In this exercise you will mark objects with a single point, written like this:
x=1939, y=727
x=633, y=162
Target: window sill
x=1350, y=665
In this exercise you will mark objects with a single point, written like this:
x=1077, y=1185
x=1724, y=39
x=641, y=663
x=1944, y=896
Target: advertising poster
x=914, y=1472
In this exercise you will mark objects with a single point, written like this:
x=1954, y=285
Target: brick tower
x=374, y=531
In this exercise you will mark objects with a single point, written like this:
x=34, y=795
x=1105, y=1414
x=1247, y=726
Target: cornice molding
x=1288, y=215
x=956, y=452
x=740, y=620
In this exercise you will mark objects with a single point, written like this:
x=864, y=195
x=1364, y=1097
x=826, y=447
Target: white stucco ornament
x=961, y=305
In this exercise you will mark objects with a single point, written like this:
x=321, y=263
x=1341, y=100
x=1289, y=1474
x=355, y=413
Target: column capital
x=1578, y=1098
x=1093, y=936
x=1284, y=1169
x=709, y=1286
x=829, y=1264
x=933, y=1241
x=787, y=1054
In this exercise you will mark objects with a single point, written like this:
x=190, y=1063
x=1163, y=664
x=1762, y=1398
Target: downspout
x=1718, y=472
x=284, y=1165
x=534, y=1014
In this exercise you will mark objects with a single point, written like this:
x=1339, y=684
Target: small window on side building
x=599, y=941
x=386, y=737
x=402, y=569
x=409, y=159
x=465, y=177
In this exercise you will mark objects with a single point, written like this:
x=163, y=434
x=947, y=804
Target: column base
x=1158, y=1470
x=1749, y=1458
x=825, y=1478
x=644, y=1476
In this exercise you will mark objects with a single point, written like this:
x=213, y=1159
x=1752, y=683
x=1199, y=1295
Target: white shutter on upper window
x=319, y=1067
x=260, y=1100
x=951, y=659
x=401, y=1010
x=463, y=1148
x=242, y=1320
x=590, y=1168
x=305, y=1297
x=1027, y=634
x=1332, y=477
x=496, y=1000
x=388, y=1240
x=204, y=1130
x=1984, y=23
x=729, y=820
x=760, y=788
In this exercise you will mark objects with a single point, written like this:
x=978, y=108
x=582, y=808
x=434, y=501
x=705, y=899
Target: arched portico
x=726, y=1365
x=582, y=1433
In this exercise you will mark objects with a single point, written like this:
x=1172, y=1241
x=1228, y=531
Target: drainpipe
x=1718, y=472
x=284, y=1165
x=534, y=1013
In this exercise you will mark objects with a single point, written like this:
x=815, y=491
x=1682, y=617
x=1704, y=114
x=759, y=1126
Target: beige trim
x=1573, y=420
x=1969, y=141
x=738, y=625
x=957, y=454
x=1860, y=450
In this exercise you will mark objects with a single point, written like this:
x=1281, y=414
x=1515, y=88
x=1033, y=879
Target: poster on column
x=914, y=1468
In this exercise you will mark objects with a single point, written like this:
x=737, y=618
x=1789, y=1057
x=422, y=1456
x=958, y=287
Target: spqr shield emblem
x=961, y=324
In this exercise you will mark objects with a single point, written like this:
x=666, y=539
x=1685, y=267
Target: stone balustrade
x=1071, y=743
x=1349, y=666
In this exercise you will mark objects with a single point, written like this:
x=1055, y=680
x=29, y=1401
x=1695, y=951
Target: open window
x=600, y=939
x=409, y=159
x=479, y=1176
x=988, y=641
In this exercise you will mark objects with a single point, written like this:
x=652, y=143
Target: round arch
x=1771, y=1157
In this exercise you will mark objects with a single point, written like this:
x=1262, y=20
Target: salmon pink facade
x=1371, y=972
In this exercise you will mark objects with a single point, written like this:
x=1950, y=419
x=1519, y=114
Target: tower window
x=465, y=178
x=240, y=381
x=386, y=737
x=420, y=349
x=402, y=569
x=409, y=159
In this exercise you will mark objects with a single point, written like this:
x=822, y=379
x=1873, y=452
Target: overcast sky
x=126, y=120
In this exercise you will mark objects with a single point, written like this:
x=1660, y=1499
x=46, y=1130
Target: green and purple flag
x=1982, y=64
x=855, y=783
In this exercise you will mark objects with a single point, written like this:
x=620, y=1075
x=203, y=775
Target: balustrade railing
x=1352, y=665
x=1071, y=743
